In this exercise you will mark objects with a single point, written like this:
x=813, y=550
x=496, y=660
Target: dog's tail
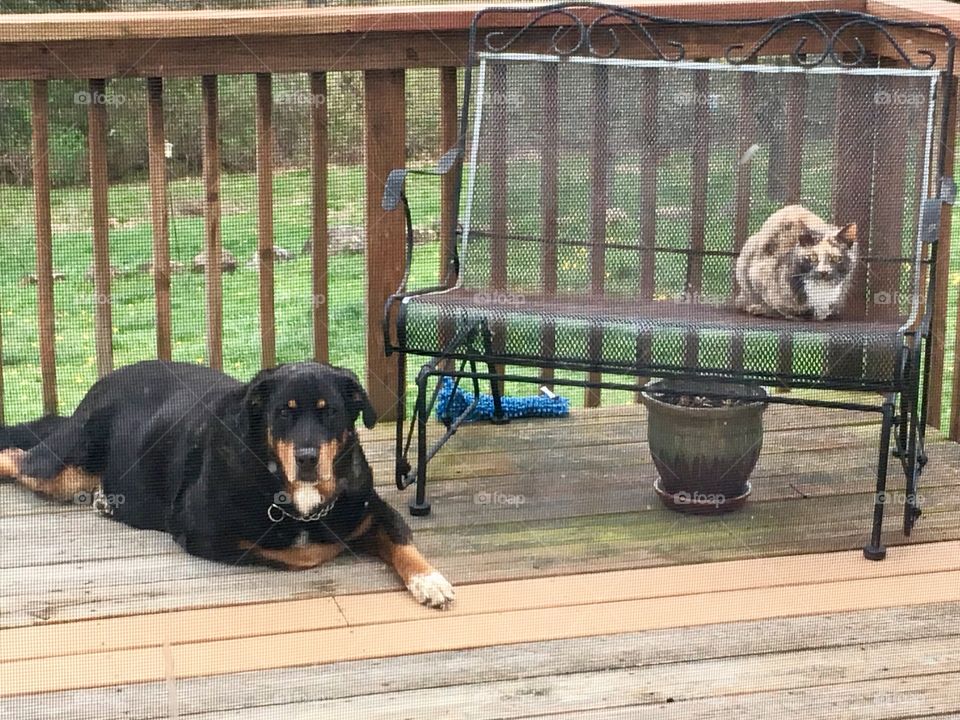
x=28, y=435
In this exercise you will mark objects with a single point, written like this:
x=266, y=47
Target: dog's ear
x=255, y=396
x=355, y=397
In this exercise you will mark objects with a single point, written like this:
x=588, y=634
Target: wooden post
x=319, y=236
x=938, y=324
x=41, y=202
x=385, y=144
x=99, y=185
x=211, y=183
x=156, y=145
x=264, y=122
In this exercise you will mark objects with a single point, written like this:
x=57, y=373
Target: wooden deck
x=577, y=593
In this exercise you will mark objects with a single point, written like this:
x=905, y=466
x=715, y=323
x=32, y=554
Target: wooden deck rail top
x=372, y=23
x=53, y=27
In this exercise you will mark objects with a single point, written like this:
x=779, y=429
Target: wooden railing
x=383, y=42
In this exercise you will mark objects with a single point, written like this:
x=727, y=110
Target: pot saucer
x=700, y=503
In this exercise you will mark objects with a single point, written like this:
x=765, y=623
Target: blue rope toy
x=513, y=407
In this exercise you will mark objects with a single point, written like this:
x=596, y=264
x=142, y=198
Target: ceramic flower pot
x=704, y=449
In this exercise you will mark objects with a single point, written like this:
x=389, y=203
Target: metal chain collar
x=276, y=513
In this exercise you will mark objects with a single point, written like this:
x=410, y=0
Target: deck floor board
x=536, y=501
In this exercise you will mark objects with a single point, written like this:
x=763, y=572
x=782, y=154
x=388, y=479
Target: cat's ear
x=807, y=238
x=847, y=235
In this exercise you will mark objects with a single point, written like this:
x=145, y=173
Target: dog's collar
x=276, y=513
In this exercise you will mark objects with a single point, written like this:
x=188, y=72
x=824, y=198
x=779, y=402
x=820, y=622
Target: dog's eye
x=284, y=412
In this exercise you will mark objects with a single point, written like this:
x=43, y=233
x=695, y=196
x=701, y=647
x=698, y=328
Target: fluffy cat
x=796, y=265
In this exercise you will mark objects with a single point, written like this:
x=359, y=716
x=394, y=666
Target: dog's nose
x=306, y=458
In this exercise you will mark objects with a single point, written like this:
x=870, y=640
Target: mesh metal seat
x=607, y=183
x=651, y=337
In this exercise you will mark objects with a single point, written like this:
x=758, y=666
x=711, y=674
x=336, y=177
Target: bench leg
x=875, y=550
x=402, y=466
x=419, y=505
x=498, y=417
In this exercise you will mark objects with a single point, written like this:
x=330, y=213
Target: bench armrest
x=394, y=195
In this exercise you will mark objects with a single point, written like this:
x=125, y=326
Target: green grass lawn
x=133, y=307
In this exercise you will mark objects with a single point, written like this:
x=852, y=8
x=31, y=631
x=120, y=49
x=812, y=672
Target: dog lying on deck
x=270, y=471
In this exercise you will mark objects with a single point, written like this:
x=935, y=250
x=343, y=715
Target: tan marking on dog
x=64, y=486
x=284, y=451
x=295, y=557
x=326, y=478
x=321, y=404
x=405, y=559
x=292, y=404
x=10, y=460
x=362, y=528
x=427, y=586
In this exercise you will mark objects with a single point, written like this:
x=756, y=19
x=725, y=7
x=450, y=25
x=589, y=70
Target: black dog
x=268, y=472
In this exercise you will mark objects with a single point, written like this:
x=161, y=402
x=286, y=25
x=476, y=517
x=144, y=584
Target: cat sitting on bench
x=796, y=265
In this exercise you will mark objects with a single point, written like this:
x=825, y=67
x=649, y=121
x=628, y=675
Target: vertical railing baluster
x=211, y=184
x=747, y=131
x=853, y=161
x=449, y=114
x=549, y=203
x=385, y=147
x=649, y=163
x=156, y=146
x=99, y=186
x=499, y=202
x=264, y=127
x=40, y=147
x=599, y=168
x=699, y=171
x=319, y=235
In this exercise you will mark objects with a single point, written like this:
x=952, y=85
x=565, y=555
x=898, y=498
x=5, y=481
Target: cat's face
x=828, y=257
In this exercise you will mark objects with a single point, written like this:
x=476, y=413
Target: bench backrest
x=603, y=159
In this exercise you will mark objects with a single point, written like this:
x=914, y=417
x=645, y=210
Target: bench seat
x=651, y=337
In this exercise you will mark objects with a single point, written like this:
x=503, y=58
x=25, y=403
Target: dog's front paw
x=431, y=589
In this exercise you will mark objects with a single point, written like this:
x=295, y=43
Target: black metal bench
x=607, y=179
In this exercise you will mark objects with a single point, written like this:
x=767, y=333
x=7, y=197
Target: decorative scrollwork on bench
x=599, y=30
x=576, y=34
x=841, y=45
